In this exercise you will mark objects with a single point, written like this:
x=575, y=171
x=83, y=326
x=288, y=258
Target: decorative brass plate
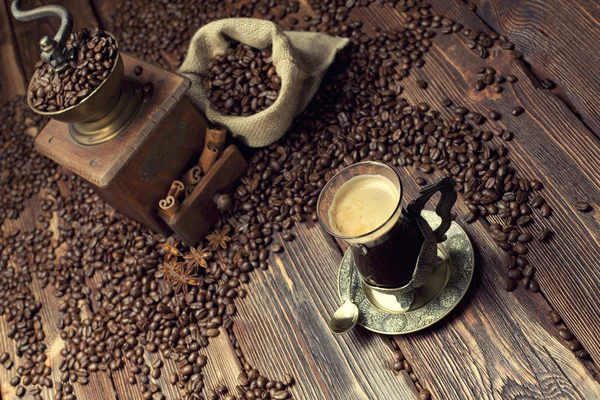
x=445, y=289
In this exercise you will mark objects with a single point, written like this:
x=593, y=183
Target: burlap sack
x=301, y=59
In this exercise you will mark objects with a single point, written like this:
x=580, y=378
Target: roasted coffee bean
x=15, y=381
x=528, y=270
x=494, y=115
x=515, y=274
x=138, y=70
x=546, y=210
x=95, y=53
x=288, y=236
x=446, y=102
x=565, y=334
x=517, y=111
x=583, y=206
x=583, y=354
x=525, y=237
x=422, y=84
x=498, y=235
x=513, y=236
x=544, y=235
x=522, y=262
x=533, y=286
x=510, y=284
x=20, y=392
x=574, y=345
x=424, y=394
x=554, y=317
x=512, y=262
x=511, y=78
x=538, y=201
x=520, y=248
x=421, y=182
x=524, y=220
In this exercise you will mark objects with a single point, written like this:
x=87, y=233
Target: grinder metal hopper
x=130, y=149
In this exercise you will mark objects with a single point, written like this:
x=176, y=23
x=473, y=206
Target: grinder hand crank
x=54, y=51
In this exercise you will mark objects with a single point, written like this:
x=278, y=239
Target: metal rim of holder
x=53, y=50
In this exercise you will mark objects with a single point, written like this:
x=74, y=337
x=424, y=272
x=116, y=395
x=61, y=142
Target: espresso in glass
x=392, y=247
x=364, y=210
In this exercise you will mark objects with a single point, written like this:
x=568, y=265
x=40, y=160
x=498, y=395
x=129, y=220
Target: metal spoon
x=345, y=317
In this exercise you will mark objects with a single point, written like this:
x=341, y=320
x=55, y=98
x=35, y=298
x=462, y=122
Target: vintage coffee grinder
x=132, y=149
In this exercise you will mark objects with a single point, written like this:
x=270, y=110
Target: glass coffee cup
x=393, y=248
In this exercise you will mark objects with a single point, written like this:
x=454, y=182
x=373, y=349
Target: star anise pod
x=219, y=238
x=171, y=250
x=196, y=258
x=180, y=277
x=170, y=269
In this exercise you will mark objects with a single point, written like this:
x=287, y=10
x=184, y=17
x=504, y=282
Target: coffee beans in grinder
x=95, y=53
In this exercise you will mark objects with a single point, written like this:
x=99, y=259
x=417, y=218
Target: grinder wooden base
x=133, y=171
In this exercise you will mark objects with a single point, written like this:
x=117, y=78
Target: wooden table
x=495, y=344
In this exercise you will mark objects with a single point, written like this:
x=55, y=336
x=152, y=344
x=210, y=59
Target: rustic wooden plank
x=28, y=34
x=11, y=74
x=282, y=327
x=564, y=48
x=502, y=339
x=223, y=367
x=549, y=143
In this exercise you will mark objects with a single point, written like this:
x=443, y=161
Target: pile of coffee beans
x=253, y=385
x=160, y=31
x=23, y=172
x=242, y=81
x=95, y=53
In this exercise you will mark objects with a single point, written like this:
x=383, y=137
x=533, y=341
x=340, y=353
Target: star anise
x=171, y=250
x=197, y=257
x=179, y=277
x=219, y=238
x=169, y=269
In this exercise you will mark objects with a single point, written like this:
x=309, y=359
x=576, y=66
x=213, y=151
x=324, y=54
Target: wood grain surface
x=283, y=327
x=563, y=48
x=12, y=81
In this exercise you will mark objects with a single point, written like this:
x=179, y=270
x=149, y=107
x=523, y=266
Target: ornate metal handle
x=53, y=50
x=446, y=186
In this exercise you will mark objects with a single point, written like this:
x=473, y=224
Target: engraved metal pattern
x=461, y=265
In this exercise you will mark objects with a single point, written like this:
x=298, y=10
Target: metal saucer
x=440, y=295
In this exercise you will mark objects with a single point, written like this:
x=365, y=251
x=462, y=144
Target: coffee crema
x=362, y=205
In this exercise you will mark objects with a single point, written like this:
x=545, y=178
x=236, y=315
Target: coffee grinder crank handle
x=53, y=50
